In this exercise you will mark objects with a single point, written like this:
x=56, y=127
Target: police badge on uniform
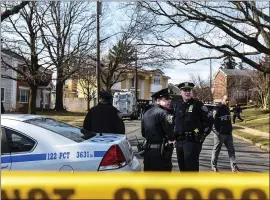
x=214, y=113
x=204, y=108
x=169, y=118
x=190, y=108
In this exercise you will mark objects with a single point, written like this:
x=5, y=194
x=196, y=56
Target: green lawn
x=255, y=139
x=256, y=119
x=64, y=116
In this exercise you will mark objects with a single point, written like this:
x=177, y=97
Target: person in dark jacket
x=236, y=113
x=157, y=129
x=192, y=123
x=104, y=118
x=2, y=108
x=223, y=134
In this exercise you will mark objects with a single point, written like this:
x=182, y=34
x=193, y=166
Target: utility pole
x=98, y=49
x=136, y=76
x=210, y=74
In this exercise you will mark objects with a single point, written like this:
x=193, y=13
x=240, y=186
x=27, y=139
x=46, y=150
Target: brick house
x=15, y=94
x=235, y=83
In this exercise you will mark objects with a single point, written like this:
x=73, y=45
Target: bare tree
x=122, y=56
x=14, y=9
x=261, y=82
x=116, y=66
x=88, y=84
x=202, y=89
x=223, y=28
x=22, y=39
x=238, y=87
x=67, y=31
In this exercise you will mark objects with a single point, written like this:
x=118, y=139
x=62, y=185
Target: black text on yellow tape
x=40, y=185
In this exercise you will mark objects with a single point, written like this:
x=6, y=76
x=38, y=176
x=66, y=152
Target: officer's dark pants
x=238, y=116
x=188, y=155
x=153, y=161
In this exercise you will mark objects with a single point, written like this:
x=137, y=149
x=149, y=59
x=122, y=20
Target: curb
x=263, y=147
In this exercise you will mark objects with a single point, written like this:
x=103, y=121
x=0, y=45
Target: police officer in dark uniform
x=104, y=118
x=158, y=130
x=192, y=123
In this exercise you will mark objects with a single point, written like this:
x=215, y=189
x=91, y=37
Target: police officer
x=192, y=123
x=104, y=118
x=223, y=134
x=157, y=129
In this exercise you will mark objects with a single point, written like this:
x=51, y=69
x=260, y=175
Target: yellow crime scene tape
x=125, y=185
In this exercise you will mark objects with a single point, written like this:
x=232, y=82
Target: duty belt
x=189, y=136
x=154, y=146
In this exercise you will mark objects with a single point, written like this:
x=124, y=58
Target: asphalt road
x=248, y=157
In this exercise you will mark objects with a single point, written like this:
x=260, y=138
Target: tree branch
x=13, y=10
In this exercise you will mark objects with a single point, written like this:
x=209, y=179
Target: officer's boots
x=235, y=168
x=214, y=169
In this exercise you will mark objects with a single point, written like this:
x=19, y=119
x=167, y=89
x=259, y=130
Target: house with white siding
x=15, y=94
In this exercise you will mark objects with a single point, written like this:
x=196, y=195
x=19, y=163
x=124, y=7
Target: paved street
x=249, y=157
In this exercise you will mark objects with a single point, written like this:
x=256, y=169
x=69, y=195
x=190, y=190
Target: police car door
x=21, y=147
x=5, y=153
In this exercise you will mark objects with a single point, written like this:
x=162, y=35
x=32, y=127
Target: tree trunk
x=88, y=103
x=108, y=88
x=59, y=106
x=266, y=101
x=32, y=100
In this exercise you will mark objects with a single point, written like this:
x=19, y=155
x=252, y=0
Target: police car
x=32, y=142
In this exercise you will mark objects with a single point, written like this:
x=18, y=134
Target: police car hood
x=102, y=143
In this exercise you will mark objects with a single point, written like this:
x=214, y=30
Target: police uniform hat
x=162, y=93
x=186, y=85
x=105, y=95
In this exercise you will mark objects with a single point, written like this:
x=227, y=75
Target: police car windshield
x=122, y=97
x=61, y=128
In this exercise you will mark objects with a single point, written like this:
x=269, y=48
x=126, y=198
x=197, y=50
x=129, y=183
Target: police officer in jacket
x=104, y=118
x=158, y=130
x=223, y=134
x=192, y=123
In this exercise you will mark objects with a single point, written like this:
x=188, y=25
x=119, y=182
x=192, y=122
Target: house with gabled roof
x=235, y=83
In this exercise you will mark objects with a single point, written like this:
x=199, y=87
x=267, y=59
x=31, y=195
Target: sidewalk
x=252, y=132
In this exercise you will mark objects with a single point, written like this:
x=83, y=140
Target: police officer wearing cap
x=192, y=123
x=157, y=129
x=104, y=118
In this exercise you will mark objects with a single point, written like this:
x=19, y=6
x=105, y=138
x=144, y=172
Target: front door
x=5, y=153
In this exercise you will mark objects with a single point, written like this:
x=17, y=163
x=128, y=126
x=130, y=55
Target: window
x=63, y=129
x=133, y=82
x=157, y=80
x=47, y=98
x=18, y=143
x=4, y=146
x=3, y=94
x=23, y=96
